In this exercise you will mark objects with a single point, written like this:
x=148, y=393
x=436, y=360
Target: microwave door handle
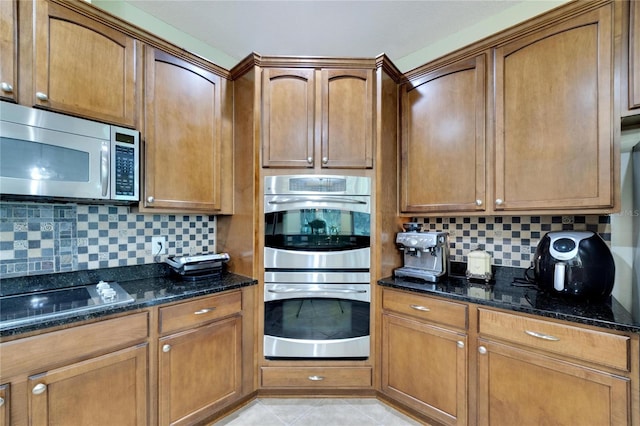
x=319, y=199
x=104, y=169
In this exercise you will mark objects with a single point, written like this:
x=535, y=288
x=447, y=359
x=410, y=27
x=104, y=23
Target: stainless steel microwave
x=51, y=155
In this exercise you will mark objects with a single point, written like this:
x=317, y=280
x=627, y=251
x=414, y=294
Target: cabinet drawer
x=426, y=308
x=38, y=353
x=594, y=346
x=199, y=311
x=314, y=377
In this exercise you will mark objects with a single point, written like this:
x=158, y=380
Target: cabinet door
x=200, y=370
x=288, y=114
x=183, y=137
x=519, y=385
x=8, y=50
x=5, y=410
x=634, y=55
x=425, y=367
x=347, y=118
x=83, y=67
x=554, y=117
x=108, y=390
x=443, y=140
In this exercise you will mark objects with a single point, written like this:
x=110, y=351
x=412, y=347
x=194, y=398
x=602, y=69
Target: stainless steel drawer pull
x=1, y=402
x=420, y=308
x=42, y=96
x=39, y=388
x=166, y=348
x=542, y=336
x=204, y=311
x=316, y=378
x=6, y=87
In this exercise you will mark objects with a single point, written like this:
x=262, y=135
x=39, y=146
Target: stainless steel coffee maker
x=426, y=254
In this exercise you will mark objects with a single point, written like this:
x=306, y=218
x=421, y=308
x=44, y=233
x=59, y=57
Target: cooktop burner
x=24, y=308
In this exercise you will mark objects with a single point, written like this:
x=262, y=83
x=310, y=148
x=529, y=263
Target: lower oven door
x=316, y=320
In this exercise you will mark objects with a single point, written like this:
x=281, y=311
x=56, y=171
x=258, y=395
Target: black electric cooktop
x=27, y=307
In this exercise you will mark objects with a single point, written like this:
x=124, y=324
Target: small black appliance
x=574, y=263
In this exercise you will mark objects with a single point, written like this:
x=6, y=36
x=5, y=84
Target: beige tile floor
x=316, y=412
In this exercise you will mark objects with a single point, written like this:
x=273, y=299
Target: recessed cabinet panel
x=554, y=125
x=288, y=117
x=443, y=140
x=5, y=405
x=183, y=135
x=83, y=67
x=634, y=55
x=347, y=118
x=8, y=50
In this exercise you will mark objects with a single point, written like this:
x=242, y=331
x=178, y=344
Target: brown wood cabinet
x=631, y=68
x=110, y=389
x=183, y=140
x=424, y=355
x=552, y=135
x=5, y=409
x=523, y=375
x=200, y=368
x=97, y=374
x=554, y=120
x=317, y=118
x=8, y=50
x=80, y=66
x=443, y=153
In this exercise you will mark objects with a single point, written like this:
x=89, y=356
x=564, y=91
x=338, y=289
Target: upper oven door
x=318, y=223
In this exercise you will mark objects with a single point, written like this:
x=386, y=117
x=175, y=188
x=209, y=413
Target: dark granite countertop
x=149, y=285
x=511, y=291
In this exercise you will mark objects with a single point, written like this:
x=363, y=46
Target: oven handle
x=316, y=291
x=317, y=199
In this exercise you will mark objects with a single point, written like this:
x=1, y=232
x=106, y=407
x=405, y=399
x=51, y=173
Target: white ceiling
x=323, y=27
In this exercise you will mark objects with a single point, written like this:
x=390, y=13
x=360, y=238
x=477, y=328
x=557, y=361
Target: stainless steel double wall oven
x=317, y=259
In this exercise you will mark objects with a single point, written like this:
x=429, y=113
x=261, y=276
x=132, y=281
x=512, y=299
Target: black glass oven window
x=317, y=230
x=316, y=318
x=32, y=305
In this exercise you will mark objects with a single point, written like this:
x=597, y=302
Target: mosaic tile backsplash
x=46, y=238
x=511, y=240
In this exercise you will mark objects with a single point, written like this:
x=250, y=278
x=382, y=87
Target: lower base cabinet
x=110, y=389
x=537, y=390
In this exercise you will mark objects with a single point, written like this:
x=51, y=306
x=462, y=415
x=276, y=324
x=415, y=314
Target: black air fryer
x=574, y=263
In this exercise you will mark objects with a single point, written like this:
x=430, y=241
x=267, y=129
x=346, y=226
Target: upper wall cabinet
x=443, y=139
x=631, y=99
x=554, y=117
x=182, y=122
x=8, y=50
x=81, y=66
x=317, y=118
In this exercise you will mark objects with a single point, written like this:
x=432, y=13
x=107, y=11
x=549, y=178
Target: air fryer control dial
x=564, y=245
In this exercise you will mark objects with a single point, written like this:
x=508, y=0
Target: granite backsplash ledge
x=38, y=238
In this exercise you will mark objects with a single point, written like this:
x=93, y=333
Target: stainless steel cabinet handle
x=166, y=348
x=478, y=202
x=460, y=344
x=316, y=378
x=542, y=336
x=39, y=388
x=290, y=291
x=420, y=308
x=316, y=200
x=150, y=199
x=1, y=402
x=6, y=87
x=204, y=311
x=42, y=96
x=310, y=160
x=499, y=202
x=482, y=350
x=325, y=160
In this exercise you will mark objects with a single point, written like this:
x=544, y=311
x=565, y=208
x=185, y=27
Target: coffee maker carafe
x=425, y=254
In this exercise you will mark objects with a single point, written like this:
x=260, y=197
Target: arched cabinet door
x=182, y=166
x=83, y=67
x=555, y=134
